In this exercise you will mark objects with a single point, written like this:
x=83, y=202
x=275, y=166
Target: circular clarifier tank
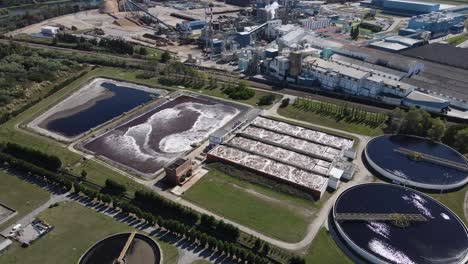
x=386, y=223
x=117, y=249
x=418, y=162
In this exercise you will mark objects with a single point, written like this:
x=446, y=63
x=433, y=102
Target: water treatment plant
x=386, y=223
x=128, y=248
x=417, y=162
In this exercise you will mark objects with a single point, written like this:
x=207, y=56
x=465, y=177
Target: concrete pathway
x=187, y=251
x=27, y=219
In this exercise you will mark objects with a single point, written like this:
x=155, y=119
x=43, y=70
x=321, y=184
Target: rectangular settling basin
x=150, y=141
x=96, y=103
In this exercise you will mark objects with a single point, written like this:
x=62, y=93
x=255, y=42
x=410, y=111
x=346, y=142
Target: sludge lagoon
x=96, y=103
x=150, y=141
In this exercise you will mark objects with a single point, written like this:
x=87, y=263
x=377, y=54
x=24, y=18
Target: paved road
x=187, y=251
x=27, y=219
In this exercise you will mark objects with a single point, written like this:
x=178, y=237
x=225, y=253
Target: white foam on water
x=126, y=144
x=135, y=142
x=211, y=117
x=445, y=216
x=379, y=228
x=419, y=203
x=385, y=250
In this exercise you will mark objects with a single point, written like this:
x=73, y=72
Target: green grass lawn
x=76, y=228
x=273, y=213
x=99, y=173
x=324, y=251
x=458, y=39
x=324, y=120
x=454, y=201
x=20, y=196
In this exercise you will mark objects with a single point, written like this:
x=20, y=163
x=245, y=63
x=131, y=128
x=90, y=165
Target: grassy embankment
x=454, y=200
x=454, y=41
x=324, y=250
x=20, y=196
x=266, y=210
x=76, y=228
x=367, y=123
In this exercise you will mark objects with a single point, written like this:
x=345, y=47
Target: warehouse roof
x=418, y=96
x=441, y=53
x=336, y=67
x=388, y=46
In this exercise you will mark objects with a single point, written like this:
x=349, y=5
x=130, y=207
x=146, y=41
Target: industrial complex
x=296, y=43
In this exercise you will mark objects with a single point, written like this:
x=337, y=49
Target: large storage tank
x=417, y=161
x=137, y=249
x=386, y=223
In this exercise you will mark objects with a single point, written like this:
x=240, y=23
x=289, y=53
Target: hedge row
x=39, y=158
x=36, y=171
x=177, y=228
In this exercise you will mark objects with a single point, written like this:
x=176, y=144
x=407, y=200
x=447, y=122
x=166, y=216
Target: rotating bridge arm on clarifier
x=126, y=247
x=415, y=155
x=379, y=217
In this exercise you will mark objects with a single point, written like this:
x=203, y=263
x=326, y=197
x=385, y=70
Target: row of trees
x=354, y=33
x=35, y=171
x=40, y=159
x=177, y=228
x=239, y=91
x=266, y=99
x=207, y=232
x=113, y=45
x=158, y=205
x=372, y=27
x=349, y=113
x=420, y=123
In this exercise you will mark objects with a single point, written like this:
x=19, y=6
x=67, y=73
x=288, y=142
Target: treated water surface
x=382, y=152
x=442, y=239
x=116, y=100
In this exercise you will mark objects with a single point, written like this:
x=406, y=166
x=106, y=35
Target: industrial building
x=402, y=7
x=438, y=23
x=396, y=43
x=191, y=25
x=336, y=75
x=179, y=171
x=315, y=23
x=49, y=31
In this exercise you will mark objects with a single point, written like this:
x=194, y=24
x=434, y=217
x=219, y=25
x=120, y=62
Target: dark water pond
x=123, y=99
x=442, y=239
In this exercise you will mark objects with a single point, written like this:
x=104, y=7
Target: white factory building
x=315, y=23
x=334, y=75
x=366, y=82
